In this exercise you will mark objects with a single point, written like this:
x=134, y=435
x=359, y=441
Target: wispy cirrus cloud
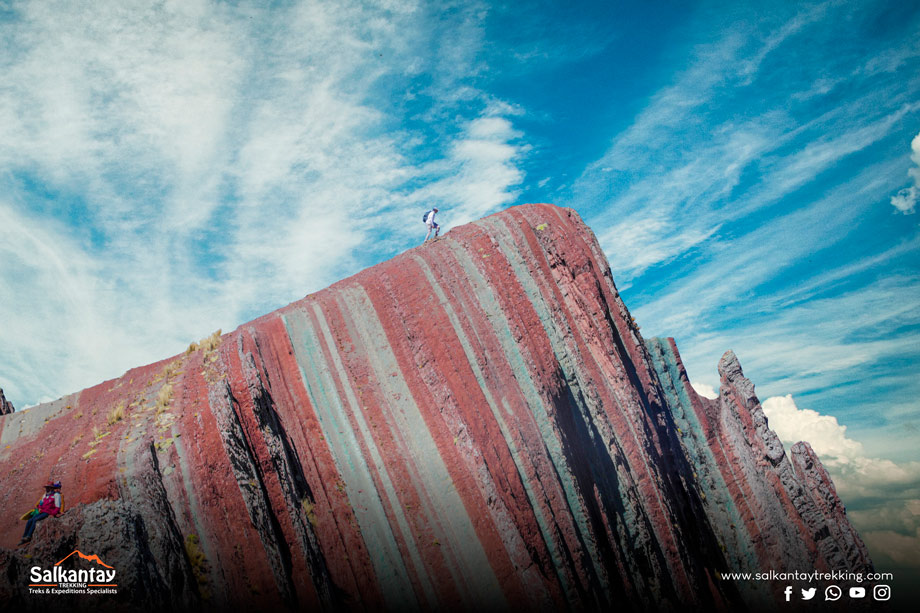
x=735, y=268
x=817, y=347
x=722, y=142
x=193, y=165
x=173, y=167
x=733, y=203
x=480, y=171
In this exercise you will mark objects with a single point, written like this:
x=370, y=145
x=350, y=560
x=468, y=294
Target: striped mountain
x=475, y=424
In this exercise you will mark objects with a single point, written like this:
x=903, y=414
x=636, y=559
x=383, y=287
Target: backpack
x=425, y=216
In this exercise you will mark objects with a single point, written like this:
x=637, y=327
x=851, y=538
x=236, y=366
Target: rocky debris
x=476, y=423
x=6, y=407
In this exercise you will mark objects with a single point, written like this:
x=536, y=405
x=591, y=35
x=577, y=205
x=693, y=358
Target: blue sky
x=750, y=169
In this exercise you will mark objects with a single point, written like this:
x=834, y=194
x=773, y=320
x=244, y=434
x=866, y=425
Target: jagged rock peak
x=733, y=380
x=6, y=407
x=729, y=366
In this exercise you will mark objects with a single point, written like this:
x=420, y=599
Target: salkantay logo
x=58, y=580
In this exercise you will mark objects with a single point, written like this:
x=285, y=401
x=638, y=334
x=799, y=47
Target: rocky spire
x=6, y=406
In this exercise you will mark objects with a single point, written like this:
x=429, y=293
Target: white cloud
x=693, y=163
x=779, y=36
x=205, y=163
x=66, y=325
x=96, y=92
x=640, y=242
x=827, y=437
x=793, y=171
x=731, y=269
x=798, y=343
x=905, y=201
x=483, y=171
x=705, y=390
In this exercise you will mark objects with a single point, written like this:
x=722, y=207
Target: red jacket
x=49, y=505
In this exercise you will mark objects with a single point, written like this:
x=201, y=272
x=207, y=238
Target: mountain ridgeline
x=474, y=424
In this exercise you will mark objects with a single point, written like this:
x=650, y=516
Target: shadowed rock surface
x=474, y=424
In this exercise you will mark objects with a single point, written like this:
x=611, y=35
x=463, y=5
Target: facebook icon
x=788, y=593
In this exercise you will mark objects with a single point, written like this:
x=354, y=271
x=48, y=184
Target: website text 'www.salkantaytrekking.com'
x=822, y=585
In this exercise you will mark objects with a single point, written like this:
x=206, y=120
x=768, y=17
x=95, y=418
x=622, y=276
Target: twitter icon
x=809, y=593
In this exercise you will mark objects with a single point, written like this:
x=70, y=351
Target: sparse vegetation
x=98, y=436
x=164, y=397
x=117, y=414
x=172, y=369
x=209, y=346
x=199, y=563
x=212, y=342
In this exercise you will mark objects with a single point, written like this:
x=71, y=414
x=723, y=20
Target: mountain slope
x=474, y=423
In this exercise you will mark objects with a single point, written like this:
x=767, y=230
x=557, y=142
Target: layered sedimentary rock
x=6, y=406
x=769, y=510
x=476, y=423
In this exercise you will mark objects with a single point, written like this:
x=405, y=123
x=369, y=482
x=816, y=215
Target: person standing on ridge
x=50, y=505
x=432, y=225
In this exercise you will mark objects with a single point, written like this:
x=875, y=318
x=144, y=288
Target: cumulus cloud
x=905, y=201
x=882, y=497
x=858, y=475
x=705, y=390
x=827, y=437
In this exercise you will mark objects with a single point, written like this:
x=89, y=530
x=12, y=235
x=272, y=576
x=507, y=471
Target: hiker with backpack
x=428, y=218
x=50, y=505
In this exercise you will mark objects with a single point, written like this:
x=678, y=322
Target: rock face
x=767, y=509
x=6, y=407
x=476, y=423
